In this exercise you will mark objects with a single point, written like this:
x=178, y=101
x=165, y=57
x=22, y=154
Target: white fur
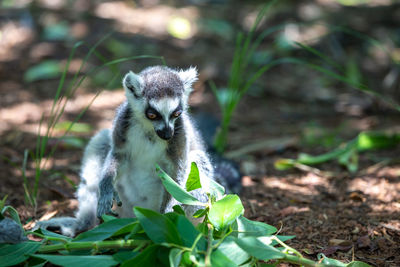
x=137, y=183
x=165, y=107
x=92, y=164
x=188, y=77
x=134, y=80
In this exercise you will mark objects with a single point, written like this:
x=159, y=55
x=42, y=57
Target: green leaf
x=105, y=230
x=284, y=164
x=375, y=140
x=107, y=218
x=74, y=127
x=330, y=262
x=137, y=232
x=175, y=256
x=57, y=32
x=353, y=73
x=258, y=249
x=185, y=259
x=14, y=254
x=215, y=189
x=35, y=262
x=12, y=212
x=124, y=255
x=175, y=190
x=233, y=251
x=202, y=227
x=79, y=261
x=147, y=257
x=189, y=233
x=196, y=181
x=200, y=213
x=73, y=142
x=253, y=228
x=52, y=234
x=126, y=229
x=193, y=181
x=219, y=259
x=178, y=209
x=48, y=69
x=225, y=211
x=157, y=226
x=357, y=264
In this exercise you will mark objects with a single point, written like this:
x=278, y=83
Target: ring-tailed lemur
x=152, y=126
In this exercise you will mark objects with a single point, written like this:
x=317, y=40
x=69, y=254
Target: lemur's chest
x=137, y=182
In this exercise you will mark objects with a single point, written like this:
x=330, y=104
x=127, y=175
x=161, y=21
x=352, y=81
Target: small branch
x=52, y=238
x=302, y=261
x=93, y=245
x=307, y=168
x=196, y=241
x=287, y=247
x=209, y=246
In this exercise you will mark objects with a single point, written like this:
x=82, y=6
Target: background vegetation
x=306, y=95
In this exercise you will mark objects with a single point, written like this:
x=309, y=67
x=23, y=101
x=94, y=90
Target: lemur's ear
x=133, y=83
x=188, y=77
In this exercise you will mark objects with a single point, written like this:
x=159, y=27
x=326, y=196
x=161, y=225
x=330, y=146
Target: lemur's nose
x=165, y=133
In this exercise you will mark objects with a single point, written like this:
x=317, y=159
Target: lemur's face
x=163, y=113
x=158, y=95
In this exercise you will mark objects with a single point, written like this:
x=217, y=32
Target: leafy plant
x=8, y=209
x=242, y=77
x=346, y=154
x=223, y=238
x=240, y=80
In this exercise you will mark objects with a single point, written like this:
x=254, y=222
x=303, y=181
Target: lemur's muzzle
x=165, y=133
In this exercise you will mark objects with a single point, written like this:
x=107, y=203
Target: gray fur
x=133, y=83
x=11, y=232
x=161, y=82
x=119, y=164
x=106, y=188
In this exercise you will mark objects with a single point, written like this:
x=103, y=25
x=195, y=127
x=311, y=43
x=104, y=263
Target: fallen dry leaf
x=364, y=242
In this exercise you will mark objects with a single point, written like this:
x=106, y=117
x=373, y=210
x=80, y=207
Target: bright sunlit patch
x=160, y=17
x=179, y=28
x=12, y=38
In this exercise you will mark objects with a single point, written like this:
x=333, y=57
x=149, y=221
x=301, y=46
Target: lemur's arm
x=106, y=188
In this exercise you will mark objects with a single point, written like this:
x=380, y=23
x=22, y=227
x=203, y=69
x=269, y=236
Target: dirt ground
x=289, y=111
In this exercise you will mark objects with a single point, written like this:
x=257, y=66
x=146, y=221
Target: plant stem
x=302, y=261
x=287, y=247
x=209, y=246
x=52, y=238
x=93, y=245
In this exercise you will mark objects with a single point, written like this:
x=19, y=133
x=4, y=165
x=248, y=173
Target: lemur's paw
x=117, y=199
x=105, y=205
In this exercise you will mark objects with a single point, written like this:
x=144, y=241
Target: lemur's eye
x=177, y=113
x=151, y=116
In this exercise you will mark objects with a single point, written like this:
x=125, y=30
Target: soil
x=346, y=216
